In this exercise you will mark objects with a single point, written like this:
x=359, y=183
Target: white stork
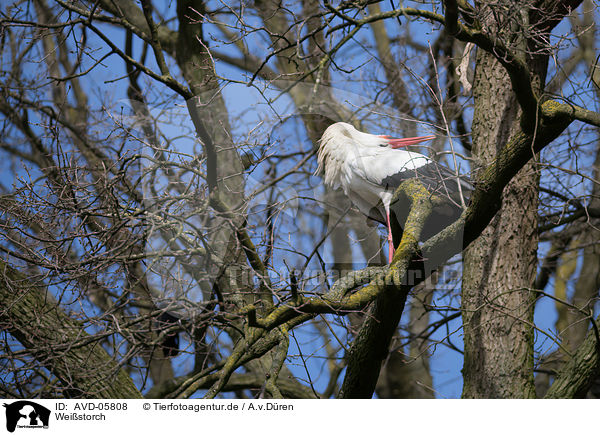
x=370, y=167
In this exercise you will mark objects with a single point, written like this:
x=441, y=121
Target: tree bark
x=500, y=266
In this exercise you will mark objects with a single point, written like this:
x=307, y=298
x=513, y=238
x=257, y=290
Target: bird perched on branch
x=369, y=168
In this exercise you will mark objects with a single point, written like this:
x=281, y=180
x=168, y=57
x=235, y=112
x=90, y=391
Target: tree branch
x=577, y=375
x=370, y=348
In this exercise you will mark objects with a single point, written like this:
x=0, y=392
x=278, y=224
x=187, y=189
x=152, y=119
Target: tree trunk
x=500, y=266
x=58, y=342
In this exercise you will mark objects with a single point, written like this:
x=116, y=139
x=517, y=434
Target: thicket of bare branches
x=163, y=232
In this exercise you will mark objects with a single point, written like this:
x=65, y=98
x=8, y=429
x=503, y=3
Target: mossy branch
x=262, y=334
x=279, y=356
x=487, y=196
x=337, y=300
x=371, y=345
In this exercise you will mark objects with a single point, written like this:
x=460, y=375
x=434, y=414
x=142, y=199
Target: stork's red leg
x=391, y=248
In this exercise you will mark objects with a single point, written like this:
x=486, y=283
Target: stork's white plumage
x=370, y=167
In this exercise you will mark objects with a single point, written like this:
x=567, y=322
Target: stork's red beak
x=399, y=143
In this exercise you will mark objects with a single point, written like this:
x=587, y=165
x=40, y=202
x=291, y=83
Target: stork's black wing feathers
x=437, y=179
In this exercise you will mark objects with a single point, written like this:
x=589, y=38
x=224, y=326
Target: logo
x=26, y=414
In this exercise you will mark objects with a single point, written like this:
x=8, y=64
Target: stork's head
x=342, y=132
x=337, y=142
